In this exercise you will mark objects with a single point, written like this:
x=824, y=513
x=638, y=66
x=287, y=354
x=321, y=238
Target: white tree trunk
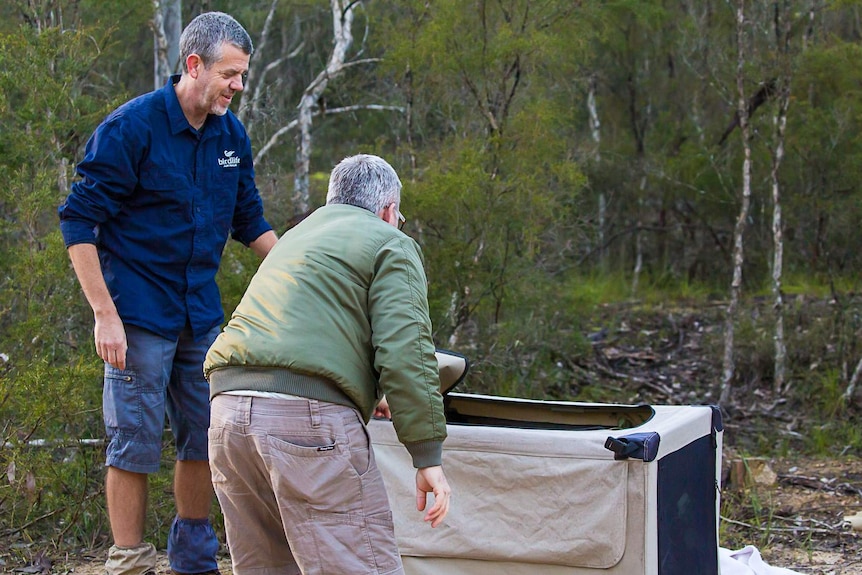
x=167, y=27
x=342, y=33
x=595, y=130
x=728, y=367
x=854, y=381
x=778, y=243
x=250, y=99
x=780, y=383
x=639, y=241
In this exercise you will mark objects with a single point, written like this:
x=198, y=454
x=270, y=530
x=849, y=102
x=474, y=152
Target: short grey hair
x=207, y=34
x=365, y=181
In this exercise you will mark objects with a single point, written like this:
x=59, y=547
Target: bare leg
x=193, y=489
x=126, y=493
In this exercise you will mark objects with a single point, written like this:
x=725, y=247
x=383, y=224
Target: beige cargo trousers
x=299, y=488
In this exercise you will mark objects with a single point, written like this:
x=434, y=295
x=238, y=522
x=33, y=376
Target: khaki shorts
x=299, y=488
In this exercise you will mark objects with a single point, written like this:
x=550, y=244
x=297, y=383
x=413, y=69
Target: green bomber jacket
x=338, y=311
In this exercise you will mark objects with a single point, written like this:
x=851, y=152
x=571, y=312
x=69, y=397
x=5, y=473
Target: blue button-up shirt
x=159, y=199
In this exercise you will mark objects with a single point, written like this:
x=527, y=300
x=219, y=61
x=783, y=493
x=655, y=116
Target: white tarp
x=747, y=561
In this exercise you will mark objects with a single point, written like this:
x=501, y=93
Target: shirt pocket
x=165, y=192
x=159, y=179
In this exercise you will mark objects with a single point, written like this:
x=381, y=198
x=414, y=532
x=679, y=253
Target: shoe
x=131, y=560
x=213, y=572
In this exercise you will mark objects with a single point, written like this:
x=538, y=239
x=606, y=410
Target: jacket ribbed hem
x=426, y=453
x=278, y=380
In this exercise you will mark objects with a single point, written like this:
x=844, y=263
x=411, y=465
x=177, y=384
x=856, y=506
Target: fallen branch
x=772, y=528
x=14, y=530
x=655, y=387
x=820, y=485
x=58, y=443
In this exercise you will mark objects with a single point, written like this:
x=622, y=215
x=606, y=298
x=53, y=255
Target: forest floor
x=792, y=508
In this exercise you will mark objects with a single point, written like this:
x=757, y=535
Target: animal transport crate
x=562, y=488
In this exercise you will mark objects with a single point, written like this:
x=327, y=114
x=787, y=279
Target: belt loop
x=314, y=411
x=243, y=410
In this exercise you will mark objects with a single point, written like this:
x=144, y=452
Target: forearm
x=264, y=243
x=85, y=261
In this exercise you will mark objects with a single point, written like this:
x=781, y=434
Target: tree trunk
x=342, y=32
x=778, y=244
x=728, y=366
x=167, y=27
x=854, y=381
x=639, y=240
x=595, y=130
x=251, y=96
x=782, y=31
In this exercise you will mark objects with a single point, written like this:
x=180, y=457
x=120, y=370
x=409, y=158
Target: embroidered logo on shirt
x=229, y=160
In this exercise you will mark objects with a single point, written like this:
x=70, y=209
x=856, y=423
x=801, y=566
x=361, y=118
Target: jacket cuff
x=426, y=453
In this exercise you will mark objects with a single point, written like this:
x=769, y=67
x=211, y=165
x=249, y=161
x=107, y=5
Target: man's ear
x=194, y=65
x=389, y=214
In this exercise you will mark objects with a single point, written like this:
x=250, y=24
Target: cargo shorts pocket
x=358, y=443
x=315, y=469
x=130, y=407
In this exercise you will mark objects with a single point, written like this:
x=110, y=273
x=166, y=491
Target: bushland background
x=627, y=200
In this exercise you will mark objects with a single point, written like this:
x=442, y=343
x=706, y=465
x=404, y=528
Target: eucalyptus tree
x=167, y=27
x=494, y=187
x=303, y=52
x=744, y=117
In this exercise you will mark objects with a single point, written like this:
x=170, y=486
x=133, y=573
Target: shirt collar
x=177, y=117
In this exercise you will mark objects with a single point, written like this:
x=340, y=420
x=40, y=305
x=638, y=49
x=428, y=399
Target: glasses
x=401, y=219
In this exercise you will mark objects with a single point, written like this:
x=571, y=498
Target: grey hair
x=365, y=181
x=207, y=33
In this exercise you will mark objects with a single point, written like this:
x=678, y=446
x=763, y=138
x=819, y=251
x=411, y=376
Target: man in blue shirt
x=166, y=178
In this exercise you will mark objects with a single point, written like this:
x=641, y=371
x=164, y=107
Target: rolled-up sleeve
x=107, y=176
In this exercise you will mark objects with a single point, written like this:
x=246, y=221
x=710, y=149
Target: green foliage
x=836, y=432
x=754, y=510
x=237, y=268
x=51, y=385
x=54, y=482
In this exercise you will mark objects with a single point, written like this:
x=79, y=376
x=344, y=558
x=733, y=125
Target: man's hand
x=382, y=409
x=110, y=336
x=109, y=333
x=432, y=480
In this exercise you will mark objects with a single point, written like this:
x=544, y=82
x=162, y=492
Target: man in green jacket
x=335, y=319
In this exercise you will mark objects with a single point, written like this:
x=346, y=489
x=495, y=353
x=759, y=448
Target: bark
x=765, y=93
x=854, y=381
x=639, y=241
x=595, y=130
x=782, y=30
x=778, y=244
x=252, y=95
x=167, y=28
x=408, y=89
x=292, y=125
x=342, y=37
x=728, y=367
